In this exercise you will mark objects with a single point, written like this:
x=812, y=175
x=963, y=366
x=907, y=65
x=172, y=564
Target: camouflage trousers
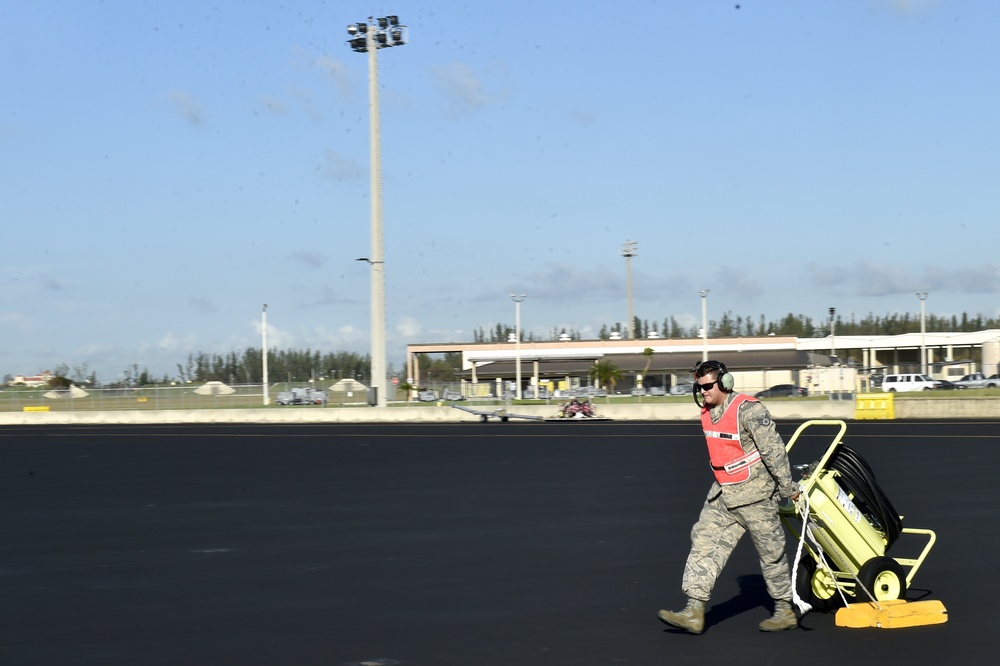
x=715, y=535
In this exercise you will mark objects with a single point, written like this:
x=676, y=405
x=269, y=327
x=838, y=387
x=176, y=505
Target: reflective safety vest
x=729, y=462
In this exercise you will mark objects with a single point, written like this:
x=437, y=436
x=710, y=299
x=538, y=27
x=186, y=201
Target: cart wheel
x=884, y=578
x=814, y=584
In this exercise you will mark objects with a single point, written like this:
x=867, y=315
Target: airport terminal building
x=822, y=365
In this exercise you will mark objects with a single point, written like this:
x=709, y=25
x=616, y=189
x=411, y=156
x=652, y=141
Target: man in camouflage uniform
x=752, y=472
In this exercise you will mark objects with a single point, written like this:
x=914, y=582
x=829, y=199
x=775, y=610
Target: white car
x=907, y=382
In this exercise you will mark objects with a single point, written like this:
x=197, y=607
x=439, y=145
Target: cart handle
x=811, y=481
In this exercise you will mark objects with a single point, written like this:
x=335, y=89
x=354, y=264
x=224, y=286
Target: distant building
x=41, y=379
x=758, y=362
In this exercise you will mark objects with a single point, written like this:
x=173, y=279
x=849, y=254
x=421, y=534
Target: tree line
x=731, y=325
x=295, y=365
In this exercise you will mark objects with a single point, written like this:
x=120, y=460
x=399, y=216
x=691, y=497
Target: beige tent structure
x=72, y=392
x=214, y=388
x=348, y=386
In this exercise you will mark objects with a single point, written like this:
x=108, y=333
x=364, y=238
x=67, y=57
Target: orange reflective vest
x=729, y=462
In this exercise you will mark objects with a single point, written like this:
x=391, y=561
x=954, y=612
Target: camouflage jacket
x=772, y=476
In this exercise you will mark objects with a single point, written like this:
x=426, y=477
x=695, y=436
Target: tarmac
x=509, y=544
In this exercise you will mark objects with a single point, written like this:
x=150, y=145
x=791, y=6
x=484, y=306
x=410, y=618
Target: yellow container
x=840, y=528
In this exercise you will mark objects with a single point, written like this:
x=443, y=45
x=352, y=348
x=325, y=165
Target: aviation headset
x=723, y=376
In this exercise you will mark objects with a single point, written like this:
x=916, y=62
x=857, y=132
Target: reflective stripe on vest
x=730, y=462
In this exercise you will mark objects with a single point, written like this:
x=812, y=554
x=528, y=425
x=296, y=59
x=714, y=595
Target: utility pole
x=704, y=323
x=263, y=355
x=517, y=342
x=833, y=343
x=629, y=251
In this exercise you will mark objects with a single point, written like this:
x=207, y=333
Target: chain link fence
x=192, y=396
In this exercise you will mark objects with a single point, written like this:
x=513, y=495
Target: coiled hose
x=858, y=479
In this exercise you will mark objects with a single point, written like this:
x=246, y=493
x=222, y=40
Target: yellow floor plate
x=892, y=614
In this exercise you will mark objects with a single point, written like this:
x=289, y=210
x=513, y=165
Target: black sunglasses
x=706, y=387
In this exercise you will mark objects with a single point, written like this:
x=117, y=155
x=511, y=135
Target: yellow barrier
x=875, y=406
x=37, y=408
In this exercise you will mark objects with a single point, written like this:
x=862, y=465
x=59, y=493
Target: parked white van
x=907, y=382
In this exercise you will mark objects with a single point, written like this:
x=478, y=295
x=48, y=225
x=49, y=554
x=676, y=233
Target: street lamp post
x=517, y=343
x=263, y=351
x=704, y=323
x=833, y=337
x=382, y=33
x=922, y=295
x=628, y=251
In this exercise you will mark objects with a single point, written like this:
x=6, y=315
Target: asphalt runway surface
x=497, y=543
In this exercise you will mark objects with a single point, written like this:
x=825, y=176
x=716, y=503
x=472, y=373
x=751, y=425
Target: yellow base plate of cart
x=892, y=614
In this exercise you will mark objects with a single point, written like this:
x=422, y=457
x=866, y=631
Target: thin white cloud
x=339, y=73
x=202, y=304
x=274, y=105
x=463, y=88
x=871, y=278
x=50, y=283
x=187, y=107
x=276, y=337
x=339, y=167
x=409, y=328
x=309, y=258
x=908, y=7
x=16, y=320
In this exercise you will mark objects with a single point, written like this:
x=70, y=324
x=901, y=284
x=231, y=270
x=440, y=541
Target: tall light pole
x=628, y=251
x=704, y=323
x=382, y=33
x=517, y=342
x=922, y=295
x=833, y=338
x=263, y=350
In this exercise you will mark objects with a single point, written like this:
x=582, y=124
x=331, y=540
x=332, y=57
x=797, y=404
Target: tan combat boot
x=692, y=618
x=783, y=618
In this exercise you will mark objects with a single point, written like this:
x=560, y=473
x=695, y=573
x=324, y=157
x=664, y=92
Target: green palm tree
x=605, y=373
x=648, y=353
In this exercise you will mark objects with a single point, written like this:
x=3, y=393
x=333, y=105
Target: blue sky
x=167, y=168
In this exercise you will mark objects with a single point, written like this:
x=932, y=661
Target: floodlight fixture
x=386, y=31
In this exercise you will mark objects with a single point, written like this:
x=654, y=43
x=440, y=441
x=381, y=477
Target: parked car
x=657, y=390
x=783, y=391
x=452, y=395
x=945, y=385
x=427, y=395
x=907, y=382
x=682, y=389
x=976, y=380
x=638, y=391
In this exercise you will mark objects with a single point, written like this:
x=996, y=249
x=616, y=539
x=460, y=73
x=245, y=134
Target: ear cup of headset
x=727, y=381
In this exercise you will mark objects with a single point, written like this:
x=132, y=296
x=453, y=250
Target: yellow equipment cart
x=849, y=529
